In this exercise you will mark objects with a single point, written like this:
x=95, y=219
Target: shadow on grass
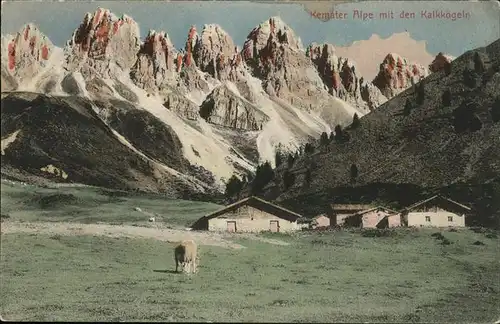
x=167, y=271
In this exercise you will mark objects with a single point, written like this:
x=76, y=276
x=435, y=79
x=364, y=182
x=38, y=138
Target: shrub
x=445, y=241
x=437, y=235
x=491, y=236
x=375, y=232
x=478, y=243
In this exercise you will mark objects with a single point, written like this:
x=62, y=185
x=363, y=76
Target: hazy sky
x=58, y=20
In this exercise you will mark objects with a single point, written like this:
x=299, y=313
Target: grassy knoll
x=409, y=276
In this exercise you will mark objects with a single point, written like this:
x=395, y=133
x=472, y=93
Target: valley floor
x=57, y=268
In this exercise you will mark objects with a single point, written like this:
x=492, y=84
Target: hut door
x=274, y=226
x=231, y=226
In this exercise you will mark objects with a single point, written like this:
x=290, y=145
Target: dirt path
x=156, y=232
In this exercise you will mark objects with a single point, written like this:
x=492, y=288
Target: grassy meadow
x=345, y=276
x=89, y=205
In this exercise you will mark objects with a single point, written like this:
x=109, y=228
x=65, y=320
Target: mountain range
x=112, y=110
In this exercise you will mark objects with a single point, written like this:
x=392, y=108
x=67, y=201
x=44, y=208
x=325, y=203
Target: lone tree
x=288, y=179
x=495, y=110
x=446, y=98
x=420, y=93
x=233, y=187
x=479, y=66
x=355, y=121
x=354, y=172
x=332, y=136
x=408, y=107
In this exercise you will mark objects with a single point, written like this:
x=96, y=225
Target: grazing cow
x=186, y=254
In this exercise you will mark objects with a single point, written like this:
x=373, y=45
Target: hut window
x=427, y=218
x=450, y=218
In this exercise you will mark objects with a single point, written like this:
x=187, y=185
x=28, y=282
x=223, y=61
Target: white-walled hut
x=436, y=211
x=251, y=214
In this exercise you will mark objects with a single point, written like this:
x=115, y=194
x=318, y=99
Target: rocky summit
x=177, y=120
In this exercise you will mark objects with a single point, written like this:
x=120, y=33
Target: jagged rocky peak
x=157, y=62
x=397, y=74
x=440, y=61
x=103, y=44
x=339, y=75
x=268, y=34
x=26, y=53
x=216, y=53
x=276, y=56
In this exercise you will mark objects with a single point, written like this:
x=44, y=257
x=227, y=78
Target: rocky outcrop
x=276, y=56
x=216, y=54
x=439, y=62
x=339, y=75
x=24, y=55
x=223, y=107
x=157, y=62
x=180, y=105
x=397, y=74
x=103, y=45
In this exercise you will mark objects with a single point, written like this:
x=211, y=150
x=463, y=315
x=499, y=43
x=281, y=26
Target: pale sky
x=58, y=20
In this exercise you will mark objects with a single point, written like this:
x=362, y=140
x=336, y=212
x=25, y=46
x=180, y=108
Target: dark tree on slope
x=465, y=118
x=495, y=110
x=308, y=177
x=332, y=136
x=309, y=148
x=233, y=187
x=420, y=89
x=469, y=78
x=290, y=160
x=263, y=175
x=447, y=68
x=479, y=66
x=288, y=179
x=355, y=121
x=408, y=107
x=279, y=157
x=339, y=134
x=446, y=98
x=353, y=172
x=324, y=139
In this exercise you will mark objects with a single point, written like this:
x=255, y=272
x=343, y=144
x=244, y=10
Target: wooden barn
x=251, y=214
x=342, y=211
x=436, y=211
x=369, y=218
